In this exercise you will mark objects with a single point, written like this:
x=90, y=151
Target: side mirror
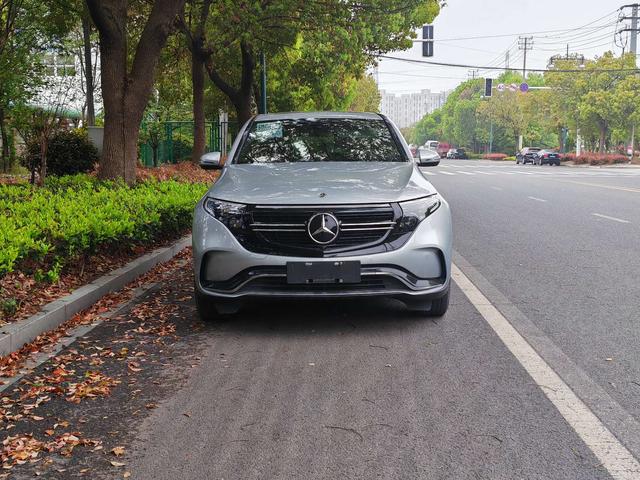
x=428, y=158
x=211, y=161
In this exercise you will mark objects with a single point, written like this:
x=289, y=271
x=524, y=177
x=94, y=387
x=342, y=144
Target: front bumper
x=421, y=268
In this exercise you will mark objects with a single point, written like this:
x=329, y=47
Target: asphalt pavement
x=363, y=390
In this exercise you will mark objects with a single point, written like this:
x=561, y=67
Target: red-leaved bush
x=495, y=156
x=596, y=158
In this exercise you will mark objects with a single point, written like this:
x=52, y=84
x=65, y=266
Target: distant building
x=64, y=86
x=406, y=109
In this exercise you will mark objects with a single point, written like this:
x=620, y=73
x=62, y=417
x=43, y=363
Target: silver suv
x=320, y=205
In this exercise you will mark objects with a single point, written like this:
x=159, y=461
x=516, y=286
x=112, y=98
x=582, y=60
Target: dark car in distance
x=527, y=155
x=457, y=153
x=547, y=157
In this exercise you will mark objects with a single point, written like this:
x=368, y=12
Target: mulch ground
x=71, y=416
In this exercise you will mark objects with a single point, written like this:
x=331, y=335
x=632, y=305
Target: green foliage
x=68, y=153
x=8, y=306
x=603, y=104
x=78, y=214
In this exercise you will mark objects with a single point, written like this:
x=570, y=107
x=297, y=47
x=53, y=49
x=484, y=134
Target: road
x=362, y=390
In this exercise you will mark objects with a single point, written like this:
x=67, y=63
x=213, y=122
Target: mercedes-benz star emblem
x=323, y=228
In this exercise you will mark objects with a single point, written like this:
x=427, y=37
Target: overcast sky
x=560, y=20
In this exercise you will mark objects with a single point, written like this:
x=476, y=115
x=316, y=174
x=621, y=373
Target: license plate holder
x=328, y=272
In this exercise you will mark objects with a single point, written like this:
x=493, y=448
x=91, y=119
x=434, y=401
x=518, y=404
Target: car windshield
x=320, y=140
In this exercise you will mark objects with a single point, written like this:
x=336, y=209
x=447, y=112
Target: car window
x=320, y=140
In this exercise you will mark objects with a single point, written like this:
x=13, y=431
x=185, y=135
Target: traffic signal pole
x=263, y=84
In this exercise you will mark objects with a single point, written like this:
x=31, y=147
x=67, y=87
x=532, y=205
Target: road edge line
x=614, y=456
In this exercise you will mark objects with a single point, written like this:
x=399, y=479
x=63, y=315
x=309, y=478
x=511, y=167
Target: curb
x=14, y=335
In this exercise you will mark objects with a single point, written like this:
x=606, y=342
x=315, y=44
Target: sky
x=588, y=26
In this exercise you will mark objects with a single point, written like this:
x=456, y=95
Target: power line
x=560, y=31
x=537, y=70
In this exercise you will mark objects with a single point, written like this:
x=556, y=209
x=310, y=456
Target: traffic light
x=488, y=84
x=427, y=37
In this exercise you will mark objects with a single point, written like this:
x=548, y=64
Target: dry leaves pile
x=20, y=449
x=183, y=172
x=74, y=375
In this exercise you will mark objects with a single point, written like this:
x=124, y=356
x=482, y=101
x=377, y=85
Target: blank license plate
x=323, y=272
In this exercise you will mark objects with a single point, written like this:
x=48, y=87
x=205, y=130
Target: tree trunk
x=243, y=105
x=113, y=165
x=4, y=138
x=88, y=68
x=197, y=81
x=126, y=91
x=42, y=170
x=603, y=138
x=241, y=98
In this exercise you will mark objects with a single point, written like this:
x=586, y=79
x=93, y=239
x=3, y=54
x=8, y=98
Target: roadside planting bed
x=75, y=227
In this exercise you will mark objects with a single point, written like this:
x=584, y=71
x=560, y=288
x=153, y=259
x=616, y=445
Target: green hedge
x=76, y=214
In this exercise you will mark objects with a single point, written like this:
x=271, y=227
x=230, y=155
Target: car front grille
x=284, y=230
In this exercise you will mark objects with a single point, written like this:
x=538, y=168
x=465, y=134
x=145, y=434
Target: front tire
x=206, y=307
x=434, y=308
x=439, y=307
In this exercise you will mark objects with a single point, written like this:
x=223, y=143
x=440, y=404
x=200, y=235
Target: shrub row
x=596, y=158
x=78, y=214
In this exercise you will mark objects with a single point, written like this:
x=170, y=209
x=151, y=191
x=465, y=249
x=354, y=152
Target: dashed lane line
x=464, y=173
x=447, y=173
x=610, y=187
x=613, y=455
x=537, y=199
x=615, y=219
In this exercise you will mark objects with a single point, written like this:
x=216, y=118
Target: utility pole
x=472, y=74
x=506, y=61
x=634, y=28
x=526, y=44
x=634, y=49
x=634, y=46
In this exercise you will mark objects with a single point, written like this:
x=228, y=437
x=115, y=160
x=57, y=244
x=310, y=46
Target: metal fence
x=176, y=140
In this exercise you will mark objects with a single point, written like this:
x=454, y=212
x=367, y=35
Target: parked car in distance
x=457, y=153
x=527, y=155
x=547, y=157
x=427, y=157
x=441, y=148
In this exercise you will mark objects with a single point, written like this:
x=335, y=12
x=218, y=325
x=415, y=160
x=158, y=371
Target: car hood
x=323, y=183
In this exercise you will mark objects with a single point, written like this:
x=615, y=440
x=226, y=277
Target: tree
x=352, y=33
x=127, y=86
x=366, y=97
x=27, y=28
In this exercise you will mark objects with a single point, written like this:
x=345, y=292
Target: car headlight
x=232, y=215
x=414, y=211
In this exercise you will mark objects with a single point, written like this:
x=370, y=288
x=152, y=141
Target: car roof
x=309, y=115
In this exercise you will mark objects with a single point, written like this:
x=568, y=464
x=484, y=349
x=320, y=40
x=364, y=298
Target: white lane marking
x=497, y=188
x=464, y=173
x=482, y=173
x=614, y=456
x=428, y=173
x=615, y=219
x=447, y=173
x=611, y=187
x=537, y=199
